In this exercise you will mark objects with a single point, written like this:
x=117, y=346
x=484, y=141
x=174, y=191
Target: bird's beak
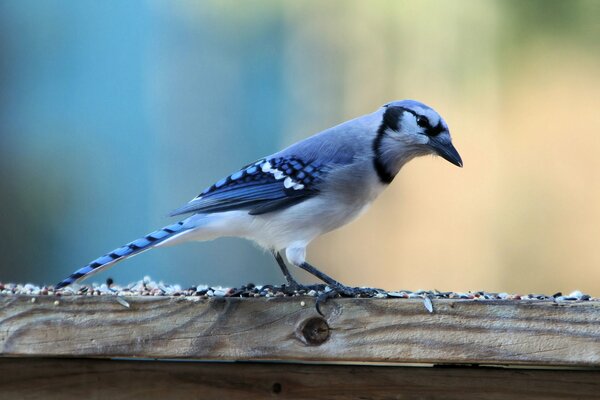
x=446, y=150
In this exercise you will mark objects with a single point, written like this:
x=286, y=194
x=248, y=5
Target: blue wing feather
x=264, y=186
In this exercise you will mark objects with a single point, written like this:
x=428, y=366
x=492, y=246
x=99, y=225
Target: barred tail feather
x=129, y=250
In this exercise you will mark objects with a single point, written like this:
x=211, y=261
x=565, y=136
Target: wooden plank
x=104, y=379
x=354, y=330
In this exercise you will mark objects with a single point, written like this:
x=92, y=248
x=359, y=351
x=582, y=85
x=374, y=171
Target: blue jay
x=285, y=200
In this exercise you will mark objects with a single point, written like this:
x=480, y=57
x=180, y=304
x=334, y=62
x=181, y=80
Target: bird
x=285, y=200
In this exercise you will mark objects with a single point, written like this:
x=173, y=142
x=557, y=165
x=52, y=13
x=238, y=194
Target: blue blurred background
x=113, y=113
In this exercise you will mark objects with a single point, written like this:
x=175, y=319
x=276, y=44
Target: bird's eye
x=422, y=121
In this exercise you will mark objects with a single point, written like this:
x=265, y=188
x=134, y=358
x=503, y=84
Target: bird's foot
x=344, y=291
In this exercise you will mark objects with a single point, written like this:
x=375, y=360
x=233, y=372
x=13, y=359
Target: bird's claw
x=322, y=298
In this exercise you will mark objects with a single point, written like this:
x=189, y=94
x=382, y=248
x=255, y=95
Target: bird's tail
x=129, y=250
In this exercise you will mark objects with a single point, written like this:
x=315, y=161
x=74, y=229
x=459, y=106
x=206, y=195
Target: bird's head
x=409, y=129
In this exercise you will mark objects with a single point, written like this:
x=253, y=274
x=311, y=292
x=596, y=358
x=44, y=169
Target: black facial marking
x=422, y=121
x=390, y=120
x=435, y=130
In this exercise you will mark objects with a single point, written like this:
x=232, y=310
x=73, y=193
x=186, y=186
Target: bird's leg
x=335, y=285
x=327, y=279
x=292, y=283
x=337, y=288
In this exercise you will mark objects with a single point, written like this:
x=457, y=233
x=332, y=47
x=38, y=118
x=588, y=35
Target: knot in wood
x=313, y=331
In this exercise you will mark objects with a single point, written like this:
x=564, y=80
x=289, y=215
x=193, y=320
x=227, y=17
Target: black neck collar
x=390, y=120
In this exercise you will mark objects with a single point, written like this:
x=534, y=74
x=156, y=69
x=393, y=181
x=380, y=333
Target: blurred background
x=114, y=113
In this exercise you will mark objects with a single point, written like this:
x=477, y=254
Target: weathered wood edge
x=539, y=333
x=22, y=378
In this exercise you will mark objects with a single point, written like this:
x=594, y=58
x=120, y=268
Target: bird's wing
x=267, y=185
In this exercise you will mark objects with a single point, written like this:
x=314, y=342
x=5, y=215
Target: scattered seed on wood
x=148, y=287
x=428, y=304
x=122, y=302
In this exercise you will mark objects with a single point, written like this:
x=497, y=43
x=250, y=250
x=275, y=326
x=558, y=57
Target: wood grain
x=105, y=379
x=537, y=333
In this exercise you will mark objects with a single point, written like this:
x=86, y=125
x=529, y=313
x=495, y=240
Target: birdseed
x=148, y=287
